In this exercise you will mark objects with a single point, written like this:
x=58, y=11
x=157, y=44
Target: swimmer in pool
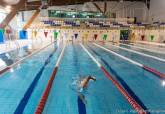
x=82, y=85
x=84, y=82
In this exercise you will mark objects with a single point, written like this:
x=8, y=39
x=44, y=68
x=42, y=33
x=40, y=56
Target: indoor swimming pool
x=117, y=89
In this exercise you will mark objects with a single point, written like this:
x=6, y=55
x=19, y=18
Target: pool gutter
x=21, y=60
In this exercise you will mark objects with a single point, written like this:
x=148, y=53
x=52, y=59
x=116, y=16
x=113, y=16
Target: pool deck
x=152, y=43
x=12, y=45
x=35, y=45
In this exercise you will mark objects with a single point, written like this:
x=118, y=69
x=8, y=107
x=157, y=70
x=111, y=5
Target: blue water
x=145, y=51
x=145, y=85
x=102, y=96
x=15, y=84
x=158, y=65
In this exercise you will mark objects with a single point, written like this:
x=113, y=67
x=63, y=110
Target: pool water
x=22, y=87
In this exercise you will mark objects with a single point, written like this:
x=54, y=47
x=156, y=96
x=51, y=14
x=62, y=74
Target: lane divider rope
x=45, y=95
x=160, y=52
x=23, y=102
x=143, y=54
x=119, y=79
x=132, y=102
x=151, y=70
x=21, y=60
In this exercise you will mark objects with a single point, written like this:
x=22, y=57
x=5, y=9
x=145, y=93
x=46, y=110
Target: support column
x=27, y=25
x=23, y=33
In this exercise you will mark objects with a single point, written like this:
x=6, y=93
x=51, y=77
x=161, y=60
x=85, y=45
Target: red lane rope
x=4, y=70
x=161, y=75
x=133, y=103
x=45, y=95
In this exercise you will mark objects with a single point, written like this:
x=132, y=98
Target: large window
x=74, y=14
x=2, y=14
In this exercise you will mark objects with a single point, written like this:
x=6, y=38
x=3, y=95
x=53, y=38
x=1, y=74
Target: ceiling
x=35, y=4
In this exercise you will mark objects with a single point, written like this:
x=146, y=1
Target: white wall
x=125, y=9
x=157, y=10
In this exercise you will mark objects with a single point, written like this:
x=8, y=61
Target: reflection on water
x=13, y=56
x=75, y=85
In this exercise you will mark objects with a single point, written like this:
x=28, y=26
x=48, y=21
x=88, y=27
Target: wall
x=122, y=10
x=157, y=10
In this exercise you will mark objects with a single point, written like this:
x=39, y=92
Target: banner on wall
x=86, y=36
x=142, y=37
x=95, y=36
x=55, y=34
x=1, y=35
x=105, y=37
x=124, y=34
x=23, y=34
x=34, y=33
x=46, y=34
x=152, y=37
x=76, y=35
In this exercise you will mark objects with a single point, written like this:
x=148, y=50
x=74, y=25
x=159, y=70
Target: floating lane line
x=122, y=82
x=132, y=102
x=153, y=71
x=21, y=60
x=23, y=102
x=143, y=54
x=160, y=52
x=47, y=90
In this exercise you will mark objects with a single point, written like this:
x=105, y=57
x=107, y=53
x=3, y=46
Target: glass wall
x=74, y=14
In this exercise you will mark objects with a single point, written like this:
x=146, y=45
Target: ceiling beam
x=13, y=12
x=34, y=4
x=105, y=7
x=98, y=8
x=28, y=24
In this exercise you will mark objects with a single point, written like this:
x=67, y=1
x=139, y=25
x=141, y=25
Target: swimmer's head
x=92, y=78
